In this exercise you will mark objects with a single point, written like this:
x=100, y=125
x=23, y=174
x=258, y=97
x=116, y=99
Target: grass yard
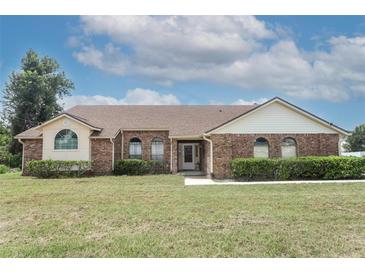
x=156, y=216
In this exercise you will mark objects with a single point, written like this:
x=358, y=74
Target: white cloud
x=171, y=48
x=250, y=102
x=140, y=96
x=226, y=49
x=109, y=60
x=73, y=41
x=136, y=96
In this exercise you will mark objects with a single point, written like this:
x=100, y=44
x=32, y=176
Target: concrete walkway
x=203, y=181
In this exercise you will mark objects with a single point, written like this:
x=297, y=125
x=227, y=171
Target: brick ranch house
x=197, y=139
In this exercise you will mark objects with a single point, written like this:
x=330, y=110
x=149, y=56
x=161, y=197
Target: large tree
x=356, y=142
x=31, y=94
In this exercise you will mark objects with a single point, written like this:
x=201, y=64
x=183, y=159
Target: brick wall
x=225, y=148
x=118, y=147
x=101, y=156
x=146, y=138
x=230, y=146
x=32, y=151
x=175, y=145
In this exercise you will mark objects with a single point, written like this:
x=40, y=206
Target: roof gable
x=277, y=116
x=70, y=116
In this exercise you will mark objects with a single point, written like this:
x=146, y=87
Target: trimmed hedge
x=57, y=168
x=302, y=168
x=140, y=167
x=4, y=169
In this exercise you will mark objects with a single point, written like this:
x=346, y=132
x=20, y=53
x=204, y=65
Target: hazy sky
x=315, y=62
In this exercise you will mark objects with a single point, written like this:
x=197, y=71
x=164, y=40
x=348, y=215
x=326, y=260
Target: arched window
x=65, y=139
x=288, y=148
x=261, y=148
x=135, y=148
x=157, y=149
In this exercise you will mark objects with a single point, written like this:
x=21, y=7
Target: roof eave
x=27, y=137
x=71, y=117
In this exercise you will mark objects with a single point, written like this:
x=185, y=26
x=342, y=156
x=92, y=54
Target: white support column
x=211, y=152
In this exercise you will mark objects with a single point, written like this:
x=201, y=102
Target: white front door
x=188, y=162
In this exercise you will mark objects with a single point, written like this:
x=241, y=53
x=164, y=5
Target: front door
x=188, y=157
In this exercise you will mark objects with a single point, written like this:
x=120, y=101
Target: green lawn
x=156, y=216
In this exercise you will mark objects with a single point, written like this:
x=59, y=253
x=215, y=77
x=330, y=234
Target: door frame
x=193, y=156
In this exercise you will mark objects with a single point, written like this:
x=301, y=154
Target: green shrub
x=139, y=167
x=157, y=167
x=4, y=169
x=57, y=168
x=11, y=160
x=15, y=160
x=302, y=168
x=131, y=167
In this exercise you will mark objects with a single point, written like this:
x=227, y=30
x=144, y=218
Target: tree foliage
x=356, y=142
x=5, y=139
x=5, y=136
x=31, y=95
x=6, y=158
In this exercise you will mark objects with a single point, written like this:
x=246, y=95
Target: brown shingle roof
x=182, y=120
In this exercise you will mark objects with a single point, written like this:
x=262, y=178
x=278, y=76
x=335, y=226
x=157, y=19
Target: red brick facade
x=206, y=157
x=118, y=147
x=101, y=156
x=175, y=167
x=225, y=148
x=32, y=151
x=229, y=146
x=146, y=138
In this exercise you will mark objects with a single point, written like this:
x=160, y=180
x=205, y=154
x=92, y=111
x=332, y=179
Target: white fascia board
x=70, y=117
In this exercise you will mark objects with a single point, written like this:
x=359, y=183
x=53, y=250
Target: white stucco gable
x=277, y=117
x=49, y=132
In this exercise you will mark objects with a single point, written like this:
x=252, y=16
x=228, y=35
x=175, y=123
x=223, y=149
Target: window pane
x=157, y=157
x=188, y=154
x=135, y=149
x=66, y=139
x=261, y=151
x=261, y=148
x=157, y=149
x=288, y=148
x=288, y=151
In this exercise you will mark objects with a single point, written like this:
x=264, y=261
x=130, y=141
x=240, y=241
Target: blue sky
x=315, y=62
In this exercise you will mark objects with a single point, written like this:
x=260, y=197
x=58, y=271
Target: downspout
x=339, y=145
x=111, y=140
x=122, y=146
x=20, y=141
x=211, y=152
x=341, y=139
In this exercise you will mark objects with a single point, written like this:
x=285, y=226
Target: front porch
x=191, y=157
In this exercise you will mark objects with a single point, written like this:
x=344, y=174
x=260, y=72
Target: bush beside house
x=246, y=169
x=57, y=168
x=140, y=167
x=302, y=168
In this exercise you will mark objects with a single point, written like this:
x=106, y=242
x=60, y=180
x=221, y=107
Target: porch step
x=191, y=173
